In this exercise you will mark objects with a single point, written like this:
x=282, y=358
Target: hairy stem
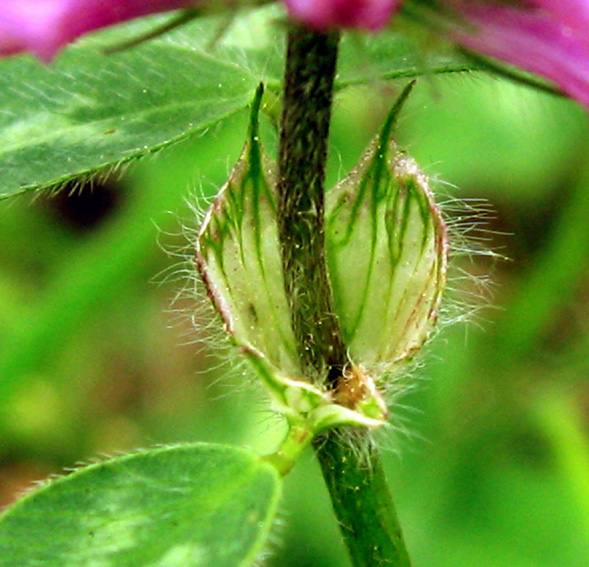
x=310, y=72
x=362, y=500
x=356, y=481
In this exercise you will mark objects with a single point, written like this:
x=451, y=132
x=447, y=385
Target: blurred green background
x=102, y=352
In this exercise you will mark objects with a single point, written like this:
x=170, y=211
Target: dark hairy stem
x=310, y=71
x=355, y=479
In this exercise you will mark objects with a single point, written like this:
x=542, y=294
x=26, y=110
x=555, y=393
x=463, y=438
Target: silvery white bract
x=386, y=253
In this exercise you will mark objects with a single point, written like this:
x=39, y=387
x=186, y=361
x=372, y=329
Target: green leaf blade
x=90, y=112
x=191, y=505
x=394, y=54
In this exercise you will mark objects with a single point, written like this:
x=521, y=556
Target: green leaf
x=89, y=112
x=191, y=505
x=392, y=54
x=386, y=252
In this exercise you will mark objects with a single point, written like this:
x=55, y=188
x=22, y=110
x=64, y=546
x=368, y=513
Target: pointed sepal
x=387, y=255
x=238, y=256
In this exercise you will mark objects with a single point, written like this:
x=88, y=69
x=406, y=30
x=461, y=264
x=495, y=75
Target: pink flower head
x=325, y=14
x=44, y=26
x=547, y=37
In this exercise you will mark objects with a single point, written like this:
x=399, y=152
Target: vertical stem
x=356, y=482
x=362, y=500
x=310, y=71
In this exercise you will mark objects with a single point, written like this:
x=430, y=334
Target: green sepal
x=387, y=254
x=238, y=256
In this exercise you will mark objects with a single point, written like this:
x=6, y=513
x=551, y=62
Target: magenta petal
x=325, y=14
x=572, y=13
x=547, y=37
x=44, y=26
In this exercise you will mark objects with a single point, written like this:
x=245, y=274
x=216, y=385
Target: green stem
x=362, y=500
x=355, y=479
x=290, y=450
